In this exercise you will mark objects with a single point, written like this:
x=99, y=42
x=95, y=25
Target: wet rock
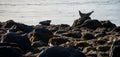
x=74, y=34
x=84, y=16
x=23, y=42
x=9, y=52
x=36, y=44
x=117, y=29
x=102, y=34
x=61, y=52
x=88, y=36
x=116, y=42
x=91, y=54
x=53, y=28
x=46, y=22
x=81, y=44
x=41, y=34
x=21, y=27
x=115, y=51
x=0, y=24
x=101, y=41
x=61, y=27
x=107, y=24
x=103, y=54
x=103, y=48
x=59, y=32
x=92, y=24
x=9, y=24
x=57, y=41
x=89, y=48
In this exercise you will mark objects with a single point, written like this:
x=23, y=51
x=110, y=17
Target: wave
x=64, y=3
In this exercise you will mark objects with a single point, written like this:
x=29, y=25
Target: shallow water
x=59, y=11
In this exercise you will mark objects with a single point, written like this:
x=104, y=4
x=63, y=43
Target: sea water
x=31, y=12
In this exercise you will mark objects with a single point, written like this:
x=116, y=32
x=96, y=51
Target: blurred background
x=30, y=12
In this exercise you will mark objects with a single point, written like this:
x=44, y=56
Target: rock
x=13, y=26
x=46, y=22
x=88, y=36
x=102, y=34
x=81, y=44
x=59, y=32
x=103, y=48
x=61, y=52
x=21, y=27
x=92, y=24
x=115, y=51
x=57, y=41
x=41, y=34
x=107, y=24
x=103, y=54
x=101, y=41
x=74, y=34
x=91, y=54
x=23, y=42
x=8, y=24
x=117, y=29
x=84, y=16
x=53, y=28
x=0, y=24
x=10, y=50
x=61, y=27
x=89, y=48
x=36, y=44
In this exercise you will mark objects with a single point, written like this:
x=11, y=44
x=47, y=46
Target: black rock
x=92, y=24
x=41, y=34
x=46, y=22
x=88, y=36
x=61, y=52
x=0, y=24
x=72, y=34
x=117, y=29
x=107, y=24
x=36, y=44
x=8, y=24
x=115, y=52
x=21, y=27
x=9, y=52
x=23, y=42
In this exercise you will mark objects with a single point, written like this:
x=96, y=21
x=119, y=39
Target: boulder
x=9, y=24
x=58, y=51
x=9, y=52
x=21, y=27
x=41, y=34
x=108, y=24
x=115, y=51
x=88, y=36
x=46, y=22
x=92, y=24
x=11, y=37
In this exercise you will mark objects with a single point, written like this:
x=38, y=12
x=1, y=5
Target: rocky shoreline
x=85, y=38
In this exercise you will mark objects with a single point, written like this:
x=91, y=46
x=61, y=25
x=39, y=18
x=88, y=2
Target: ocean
x=31, y=12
